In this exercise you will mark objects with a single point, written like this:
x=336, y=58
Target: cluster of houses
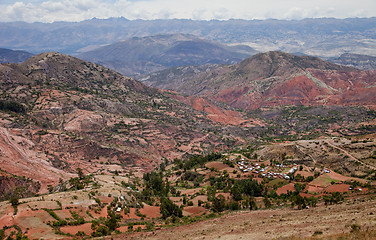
x=257, y=169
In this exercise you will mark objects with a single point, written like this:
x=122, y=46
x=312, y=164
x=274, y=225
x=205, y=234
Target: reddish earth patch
x=19, y=158
x=217, y=165
x=64, y=213
x=217, y=114
x=338, y=188
x=6, y=217
x=195, y=211
x=307, y=195
x=177, y=200
x=284, y=189
x=150, y=211
x=86, y=228
x=105, y=199
x=203, y=198
x=190, y=191
x=132, y=214
x=103, y=213
x=138, y=226
x=314, y=189
x=123, y=229
x=305, y=174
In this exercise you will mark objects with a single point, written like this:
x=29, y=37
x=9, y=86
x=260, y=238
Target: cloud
x=77, y=10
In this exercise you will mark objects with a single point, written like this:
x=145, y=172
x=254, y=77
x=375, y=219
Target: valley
x=245, y=150
x=287, y=188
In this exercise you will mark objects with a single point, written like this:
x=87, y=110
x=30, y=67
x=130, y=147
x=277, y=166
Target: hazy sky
x=78, y=10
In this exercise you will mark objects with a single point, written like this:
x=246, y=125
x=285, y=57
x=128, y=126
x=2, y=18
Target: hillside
x=275, y=79
x=60, y=113
x=11, y=56
x=150, y=54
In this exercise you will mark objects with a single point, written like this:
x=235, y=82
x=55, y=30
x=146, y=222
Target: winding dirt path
x=349, y=155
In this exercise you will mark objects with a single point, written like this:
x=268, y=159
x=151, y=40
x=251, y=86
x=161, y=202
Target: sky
x=78, y=10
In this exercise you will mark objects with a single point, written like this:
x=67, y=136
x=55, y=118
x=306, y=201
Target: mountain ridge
x=326, y=37
x=13, y=56
x=277, y=79
x=356, y=60
x=153, y=53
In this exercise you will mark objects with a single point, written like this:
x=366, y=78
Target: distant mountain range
x=11, y=56
x=150, y=54
x=326, y=37
x=273, y=79
x=356, y=60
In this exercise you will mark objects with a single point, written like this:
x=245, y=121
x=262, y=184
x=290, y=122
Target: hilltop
x=275, y=79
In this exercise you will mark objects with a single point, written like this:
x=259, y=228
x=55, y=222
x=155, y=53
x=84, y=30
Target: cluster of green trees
x=105, y=226
x=155, y=186
x=13, y=234
x=197, y=160
x=247, y=187
x=12, y=106
x=76, y=219
x=168, y=209
x=333, y=198
x=302, y=202
x=75, y=183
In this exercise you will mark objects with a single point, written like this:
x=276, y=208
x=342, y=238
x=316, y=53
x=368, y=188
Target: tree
x=14, y=200
x=267, y=202
x=112, y=221
x=335, y=197
x=236, y=193
x=219, y=203
x=211, y=193
x=299, y=187
x=80, y=173
x=252, y=204
x=299, y=201
x=312, y=201
x=168, y=208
